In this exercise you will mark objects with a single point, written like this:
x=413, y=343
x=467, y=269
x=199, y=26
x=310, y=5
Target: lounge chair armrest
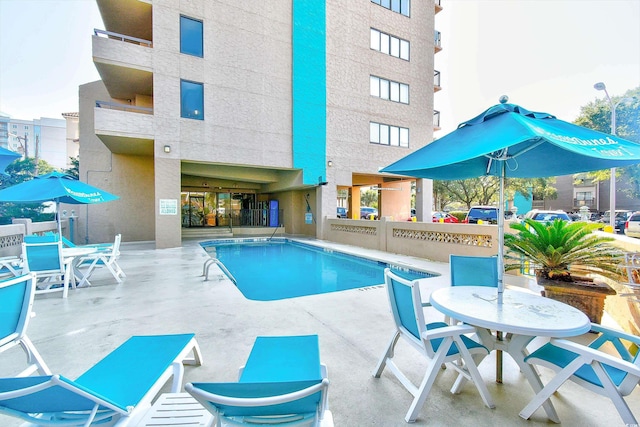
x=615, y=333
x=222, y=399
x=589, y=354
x=448, y=331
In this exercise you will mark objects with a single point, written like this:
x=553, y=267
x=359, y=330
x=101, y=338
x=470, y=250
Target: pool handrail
x=212, y=260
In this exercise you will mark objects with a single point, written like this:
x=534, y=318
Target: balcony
x=136, y=22
x=437, y=41
x=436, y=120
x=125, y=64
x=125, y=129
x=436, y=81
x=438, y=6
x=591, y=204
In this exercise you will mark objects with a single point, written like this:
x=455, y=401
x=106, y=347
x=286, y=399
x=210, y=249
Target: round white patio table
x=72, y=256
x=522, y=316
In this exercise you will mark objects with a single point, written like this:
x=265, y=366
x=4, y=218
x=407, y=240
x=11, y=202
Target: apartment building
x=43, y=138
x=230, y=114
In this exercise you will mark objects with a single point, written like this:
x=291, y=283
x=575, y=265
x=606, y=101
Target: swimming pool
x=267, y=270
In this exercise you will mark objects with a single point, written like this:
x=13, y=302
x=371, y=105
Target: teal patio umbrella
x=7, y=157
x=56, y=187
x=508, y=141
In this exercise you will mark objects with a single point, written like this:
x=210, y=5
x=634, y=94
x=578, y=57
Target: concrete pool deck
x=164, y=292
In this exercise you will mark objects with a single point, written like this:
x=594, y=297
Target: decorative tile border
x=466, y=239
x=359, y=229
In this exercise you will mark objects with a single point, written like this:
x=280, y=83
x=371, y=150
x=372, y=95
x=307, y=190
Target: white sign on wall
x=168, y=207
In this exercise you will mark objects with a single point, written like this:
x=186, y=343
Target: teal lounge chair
x=282, y=383
x=438, y=342
x=116, y=390
x=16, y=301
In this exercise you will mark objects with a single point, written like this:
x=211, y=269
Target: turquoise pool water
x=267, y=270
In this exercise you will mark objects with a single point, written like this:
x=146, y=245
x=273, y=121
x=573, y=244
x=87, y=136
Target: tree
x=369, y=198
x=597, y=115
x=17, y=172
x=74, y=170
x=482, y=190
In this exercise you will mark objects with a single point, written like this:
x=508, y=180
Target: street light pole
x=612, y=180
x=24, y=146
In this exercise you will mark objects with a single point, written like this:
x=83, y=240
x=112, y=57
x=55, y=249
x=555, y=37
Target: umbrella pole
x=500, y=265
x=501, y=234
x=58, y=220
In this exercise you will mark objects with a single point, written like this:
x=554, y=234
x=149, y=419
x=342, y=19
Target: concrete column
x=424, y=199
x=168, y=229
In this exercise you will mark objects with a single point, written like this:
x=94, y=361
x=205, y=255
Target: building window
x=389, y=44
x=390, y=90
x=398, y=6
x=191, y=36
x=191, y=100
x=394, y=136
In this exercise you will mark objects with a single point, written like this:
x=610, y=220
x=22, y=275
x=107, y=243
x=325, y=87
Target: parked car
x=445, y=216
x=632, y=226
x=547, y=216
x=620, y=219
x=487, y=214
x=366, y=211
x=341, y=212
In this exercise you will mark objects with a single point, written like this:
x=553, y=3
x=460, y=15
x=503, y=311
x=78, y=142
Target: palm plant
x=561, y=248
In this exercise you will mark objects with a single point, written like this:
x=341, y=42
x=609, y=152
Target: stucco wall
x=129, y=177
x=432, y=241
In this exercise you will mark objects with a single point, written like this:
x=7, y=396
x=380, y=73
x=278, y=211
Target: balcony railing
x=436, y=120
x=436, y=80
x=123, y=107
x=591, y=204
x=537, y=204
x=123, y=37
x=437, y=41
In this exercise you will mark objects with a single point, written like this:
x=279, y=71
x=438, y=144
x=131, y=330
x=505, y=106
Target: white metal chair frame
x=19, y=335
x=434, y=341
x=104, y=258
x=606, y=374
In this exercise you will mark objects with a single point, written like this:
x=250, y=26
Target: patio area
x=164, y=292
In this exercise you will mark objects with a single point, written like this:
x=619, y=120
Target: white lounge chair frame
x=408, y=319
x=17, y=308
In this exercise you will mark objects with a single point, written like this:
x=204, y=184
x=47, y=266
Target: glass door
x=223, y=209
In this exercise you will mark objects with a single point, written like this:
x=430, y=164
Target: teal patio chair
x=473, y=270
x=282, y=383
x=16, y=302
x=118, y=389
x=604, y=373
x=43, y=255
x=437, y=342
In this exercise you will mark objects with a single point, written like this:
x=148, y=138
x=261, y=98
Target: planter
x=583, y=294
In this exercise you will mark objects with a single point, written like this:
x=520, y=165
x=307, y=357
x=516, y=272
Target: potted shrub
x=566, y=256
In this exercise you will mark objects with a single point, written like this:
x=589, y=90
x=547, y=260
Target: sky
x=545, y=55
